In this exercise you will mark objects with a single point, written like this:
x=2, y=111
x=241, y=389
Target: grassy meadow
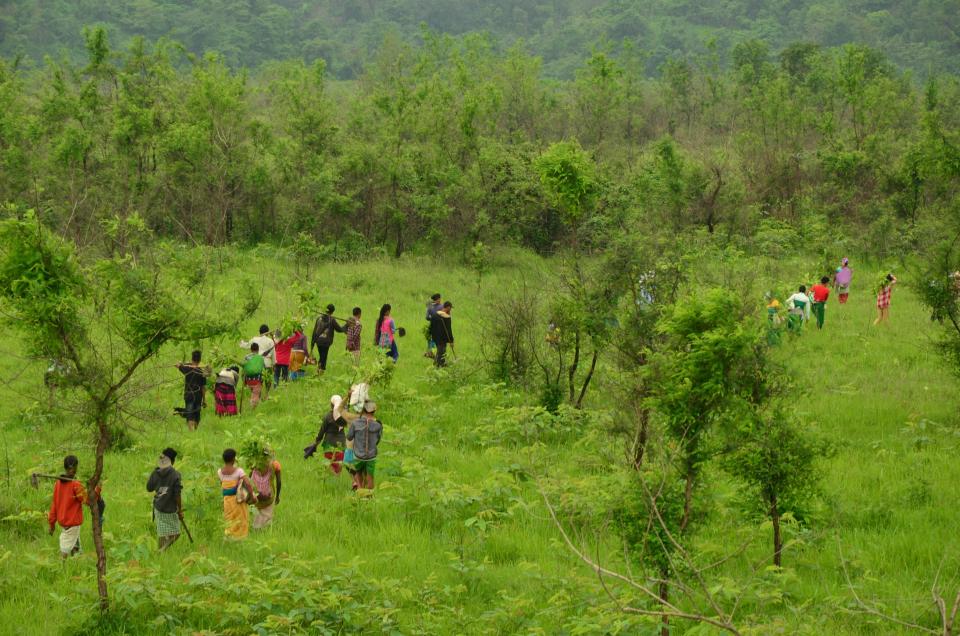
x=456, y=538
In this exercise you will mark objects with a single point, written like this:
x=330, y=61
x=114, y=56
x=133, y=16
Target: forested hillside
x=452, y=143
x=923, y=36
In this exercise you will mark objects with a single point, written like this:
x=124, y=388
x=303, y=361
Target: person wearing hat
x=323, y=332
x=441, y=331
x=165, y=482
x=365, y=432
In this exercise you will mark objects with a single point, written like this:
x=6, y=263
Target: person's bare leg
x=369, y=482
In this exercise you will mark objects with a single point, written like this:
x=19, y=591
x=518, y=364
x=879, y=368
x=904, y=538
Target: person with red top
x=282, y=350
x=69, y=496
x=820, y=294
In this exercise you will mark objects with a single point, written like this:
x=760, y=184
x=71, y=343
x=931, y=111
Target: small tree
x=102, y=334
x=777, y=460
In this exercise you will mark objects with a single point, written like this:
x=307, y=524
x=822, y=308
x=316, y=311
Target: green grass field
x=456, y=538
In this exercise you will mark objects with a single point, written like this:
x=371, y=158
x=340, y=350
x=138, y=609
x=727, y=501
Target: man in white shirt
x=798, y=309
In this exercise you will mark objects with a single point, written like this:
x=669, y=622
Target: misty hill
x=922, y=35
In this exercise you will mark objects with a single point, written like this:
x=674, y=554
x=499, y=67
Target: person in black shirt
x=322, y=337
x=194, y=385
x=441, y=331
x=332, y=437
x=167, y=503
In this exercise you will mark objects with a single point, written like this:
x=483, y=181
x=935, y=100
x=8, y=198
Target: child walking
x=884, y=289
x=820, y=295
x=66, y=508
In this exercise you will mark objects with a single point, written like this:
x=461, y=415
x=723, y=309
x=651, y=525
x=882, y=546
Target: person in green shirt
x=253, y=366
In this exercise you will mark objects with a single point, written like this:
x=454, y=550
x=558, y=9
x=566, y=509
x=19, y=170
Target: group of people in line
x=349, y=433
x=805, y=304
x=273, y=358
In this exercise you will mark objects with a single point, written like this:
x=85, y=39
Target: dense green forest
x=452, y=143
x=924, y=35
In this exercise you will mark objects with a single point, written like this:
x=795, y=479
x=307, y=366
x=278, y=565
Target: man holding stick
x=167, y=503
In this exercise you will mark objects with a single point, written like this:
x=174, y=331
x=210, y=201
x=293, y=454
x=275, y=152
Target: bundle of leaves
x=256, y=451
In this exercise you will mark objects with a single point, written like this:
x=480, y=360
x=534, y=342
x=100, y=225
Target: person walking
x=323, y=332
x=267, y=349
x=820, y=294
x=298, y=353
x=353, y=328
x=842, y=279
x=267, y=483
x=365, y=432
x=194, y=390
x=237, y=494
x=433, y=306
x=225, y=391
x=332, y=436
x=798, y=310
x=385, y=337
x=66, y=507
x=441, y=332
x=167, y=502
x=253, y=372
x=884, y=290
x=283, y=347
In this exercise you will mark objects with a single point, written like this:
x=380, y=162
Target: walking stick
x=243, y=383
x=183, y=522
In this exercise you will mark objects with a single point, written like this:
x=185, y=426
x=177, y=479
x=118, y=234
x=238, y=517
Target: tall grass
x=456, y=539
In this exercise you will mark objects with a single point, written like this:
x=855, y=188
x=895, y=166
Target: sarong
x=69, y=539
x=226, y=398
x=236, y=517
x=262, y=517
x=296, y=360
x=168, y=523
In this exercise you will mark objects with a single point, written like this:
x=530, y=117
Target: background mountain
x=922, y=35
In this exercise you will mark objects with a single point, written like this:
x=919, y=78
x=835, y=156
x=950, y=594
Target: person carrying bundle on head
x=322, y=338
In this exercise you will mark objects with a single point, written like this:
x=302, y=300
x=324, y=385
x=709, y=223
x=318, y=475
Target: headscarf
x=336, y=401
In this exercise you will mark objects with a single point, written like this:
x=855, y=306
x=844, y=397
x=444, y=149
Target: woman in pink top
x=385, y=333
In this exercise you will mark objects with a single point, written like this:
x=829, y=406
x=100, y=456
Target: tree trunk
x=777, y=538
x=572, y=371
x=664, y=592
x=687, y=499
x=640, y=442
x=103, y=437
x=586, y=381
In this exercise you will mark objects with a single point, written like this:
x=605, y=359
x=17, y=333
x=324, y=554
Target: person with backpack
x=253, y=372
x=441, y=332
x=322, y=338
x=165, y=482
x=267, y=348
x=365, y=432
